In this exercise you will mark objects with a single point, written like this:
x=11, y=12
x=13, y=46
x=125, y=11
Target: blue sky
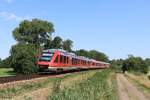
x=115, y=27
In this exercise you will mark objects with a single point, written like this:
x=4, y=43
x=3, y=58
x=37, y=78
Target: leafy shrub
x=23, y=58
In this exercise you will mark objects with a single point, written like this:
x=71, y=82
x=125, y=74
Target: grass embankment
x=141, y=81
x=21, y=89
x=87, y=85
x=6, y=72
x=101, y=86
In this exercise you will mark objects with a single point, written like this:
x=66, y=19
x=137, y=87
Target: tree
x=147, y=61
x=93, y=54
x=35, y=31
x=116, y=64
x=136, y=64
x=32, y=36
x=98, y=55
x=82, y=52
x=23, y=58
x=48, y=44
x=67, y=45
x=5, y=63
x=56, y=43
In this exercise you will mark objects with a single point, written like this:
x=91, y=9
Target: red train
x=61, y=60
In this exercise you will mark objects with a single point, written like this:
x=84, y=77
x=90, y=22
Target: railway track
x=21, y=77
x=8, y=79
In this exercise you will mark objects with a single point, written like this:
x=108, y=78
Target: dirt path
x=127, y=91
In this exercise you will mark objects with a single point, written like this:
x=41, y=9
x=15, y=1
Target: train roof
x=61, y=51
x=53, y=50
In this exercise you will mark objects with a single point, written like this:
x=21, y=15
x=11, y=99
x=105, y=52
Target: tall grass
x=87, y=85
x=94, y=88
x=141, y=81
x=19, y=89
x=10, y=92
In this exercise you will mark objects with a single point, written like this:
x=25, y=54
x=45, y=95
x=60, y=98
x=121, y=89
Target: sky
x=116, y=27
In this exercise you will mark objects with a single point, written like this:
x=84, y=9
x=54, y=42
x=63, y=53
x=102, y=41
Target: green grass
x=6, y=72
x=14, y=91
x=24, y=88
x=94, y=88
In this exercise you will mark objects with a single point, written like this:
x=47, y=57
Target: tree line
x=34, y=36
x=132, y=63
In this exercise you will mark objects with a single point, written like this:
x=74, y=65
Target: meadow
x=6, y=72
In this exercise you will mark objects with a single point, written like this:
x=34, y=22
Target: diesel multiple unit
x=61, y=60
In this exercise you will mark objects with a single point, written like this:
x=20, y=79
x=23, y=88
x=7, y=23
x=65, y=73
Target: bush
x=136, y=64
x=23, y=58
x=5, y=63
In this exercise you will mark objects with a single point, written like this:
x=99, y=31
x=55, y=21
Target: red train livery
x=61, y=60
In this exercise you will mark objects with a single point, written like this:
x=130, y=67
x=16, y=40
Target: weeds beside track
x=101, y=86
x=86, y=85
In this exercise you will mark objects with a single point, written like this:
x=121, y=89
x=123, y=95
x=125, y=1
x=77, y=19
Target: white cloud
x=11, y=16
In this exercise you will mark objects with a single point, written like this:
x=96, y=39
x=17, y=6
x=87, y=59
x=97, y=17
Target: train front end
x=45, y=60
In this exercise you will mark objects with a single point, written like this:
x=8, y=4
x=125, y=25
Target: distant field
x=6, y=72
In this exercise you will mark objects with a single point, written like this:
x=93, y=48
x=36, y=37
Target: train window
x=82, y=62
x=88, y=62
x=74, y=61
x=65, y=59
x=61, y=59
x=56, y=60
x=93, y=64
x=78, y=61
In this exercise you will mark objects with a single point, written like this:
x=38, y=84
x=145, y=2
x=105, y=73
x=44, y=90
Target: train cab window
x=61, y=59
x=46, y=56
x=56, y=60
